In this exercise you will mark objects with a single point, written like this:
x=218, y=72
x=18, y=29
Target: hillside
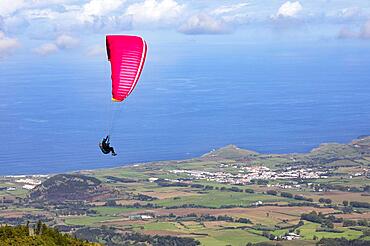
x=63, y=187
x=231, y=152
x=40, y=235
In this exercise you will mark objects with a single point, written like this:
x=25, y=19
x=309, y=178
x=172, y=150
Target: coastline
x=361, y=137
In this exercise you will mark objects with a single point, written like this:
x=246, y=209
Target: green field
x=308, y=231
x=217, y=199
x=113, y=211
x=87, y=220
x=235, y=237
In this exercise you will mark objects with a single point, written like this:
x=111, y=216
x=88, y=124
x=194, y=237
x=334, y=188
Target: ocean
x=192, y=98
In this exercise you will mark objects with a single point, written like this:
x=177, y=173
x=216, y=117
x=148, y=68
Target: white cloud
x=229, y=8
x=346, y=33
x=97, y=8
x=46, y=49
x=1, y=23
x=7, y=45
x=14, y=24
x=289, y=9
x=8, y=7
x=365, y=31
x=61, y=42
x=66, y=42
x=349, y=12
x=232, y=14
x=96, y=50
x=153, y=11
x=204, y=24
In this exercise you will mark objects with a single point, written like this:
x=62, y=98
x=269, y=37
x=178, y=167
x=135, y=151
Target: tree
x=111, y=203
x=363, y=222
x=39, y=228
x=271, y=192
x=286, y=194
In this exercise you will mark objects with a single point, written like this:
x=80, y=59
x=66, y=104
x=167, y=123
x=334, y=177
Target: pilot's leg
x=112, y=150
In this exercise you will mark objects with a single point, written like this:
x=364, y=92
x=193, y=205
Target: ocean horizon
x=289, y=97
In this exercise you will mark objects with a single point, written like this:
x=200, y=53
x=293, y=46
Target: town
x=246, y=174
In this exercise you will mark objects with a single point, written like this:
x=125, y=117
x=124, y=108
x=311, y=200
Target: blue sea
x=193, y=97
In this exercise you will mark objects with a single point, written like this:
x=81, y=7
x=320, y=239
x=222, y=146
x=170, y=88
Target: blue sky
x=47, y=27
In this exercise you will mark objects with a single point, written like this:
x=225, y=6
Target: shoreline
x=361, y=137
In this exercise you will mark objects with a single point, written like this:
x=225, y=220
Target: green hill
x=231, y=152
x=63, y=187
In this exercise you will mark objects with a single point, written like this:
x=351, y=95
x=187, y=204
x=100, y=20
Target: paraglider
x=105, y=146
x=127, y=57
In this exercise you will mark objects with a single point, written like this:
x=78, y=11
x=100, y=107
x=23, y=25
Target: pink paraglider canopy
x=127, y=56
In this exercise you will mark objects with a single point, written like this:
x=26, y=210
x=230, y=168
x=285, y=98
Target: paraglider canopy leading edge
x=127, y=57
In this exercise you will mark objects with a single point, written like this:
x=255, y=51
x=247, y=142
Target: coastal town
x=27, y=182
x=245, y=175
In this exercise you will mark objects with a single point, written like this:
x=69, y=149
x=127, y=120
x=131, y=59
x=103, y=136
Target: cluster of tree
x=259, y=181
x=249, y=191
x=82, y=211
x=326, y=229
x=272, y=192
x=303, y=204
x=232, y=189
x=289, y=195
x=356, y=204
x=208, y=217
x=286, y=194
x=142, y=197
x=112, y=238
x=347, y=223
x=325, y=200
x=342, y=242
x=122, y=180
x=302, y=198
x=292, y=228
x=113, y=203
x=189, y=206
x=269, y=235
x=325, y=221
x=166, y=183
x=23, y=219
x=329, y=186
x=200, y=186
x=38, y=235
x=366, y=188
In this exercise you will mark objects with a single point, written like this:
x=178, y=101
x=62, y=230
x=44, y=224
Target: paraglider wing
x=127, y=56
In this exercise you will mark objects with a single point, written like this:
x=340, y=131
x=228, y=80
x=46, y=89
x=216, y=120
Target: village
x=245, y=175
x=27, y=182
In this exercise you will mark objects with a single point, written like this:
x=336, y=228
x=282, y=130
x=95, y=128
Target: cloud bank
x=289, y=10
x=363, y=33
x=155, y=12
x=204, y=24
x=46, y=49
x=81, y=19
x=7, y=45
x=61, y=42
